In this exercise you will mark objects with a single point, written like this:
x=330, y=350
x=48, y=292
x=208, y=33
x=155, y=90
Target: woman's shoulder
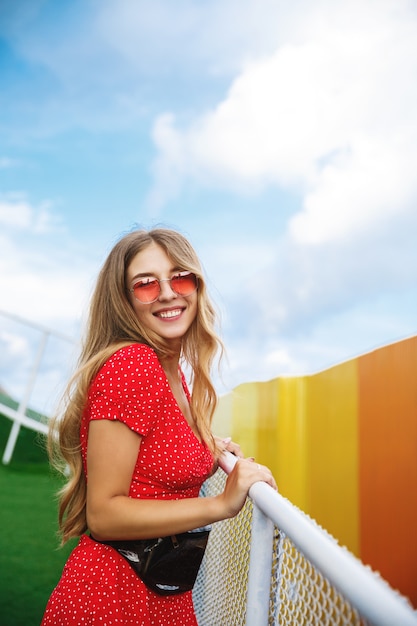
x=129, y=363
x=133, y=352
x=135, y=357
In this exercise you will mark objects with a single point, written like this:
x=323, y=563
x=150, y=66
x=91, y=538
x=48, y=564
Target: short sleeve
x=129, y=388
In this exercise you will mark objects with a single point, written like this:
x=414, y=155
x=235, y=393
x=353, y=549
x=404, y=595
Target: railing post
x=260, y=558
x=260, y=567
x=14, y=432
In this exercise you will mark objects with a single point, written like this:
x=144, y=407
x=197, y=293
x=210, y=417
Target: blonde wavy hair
x=112, y=324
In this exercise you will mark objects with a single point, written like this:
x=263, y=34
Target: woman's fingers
x=258, y=472
x=229, y=445
x=267, y=476
x=244, y=474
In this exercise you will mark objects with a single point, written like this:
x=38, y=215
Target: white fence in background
x=273, y=565
x=19, y=416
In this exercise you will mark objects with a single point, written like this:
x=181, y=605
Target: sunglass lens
x=184, y=284
x=146, y=291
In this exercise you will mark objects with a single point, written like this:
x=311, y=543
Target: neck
x=170, y=365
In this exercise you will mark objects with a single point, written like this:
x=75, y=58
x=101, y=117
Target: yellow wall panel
x=245, y=418
x=332, y=452
x=291, y=461
x=267, y=423
x=222, y=419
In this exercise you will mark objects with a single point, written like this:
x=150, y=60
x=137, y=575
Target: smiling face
x=171, y=315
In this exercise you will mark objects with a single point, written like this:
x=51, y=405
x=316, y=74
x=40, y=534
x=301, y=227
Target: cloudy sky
x=280, y=137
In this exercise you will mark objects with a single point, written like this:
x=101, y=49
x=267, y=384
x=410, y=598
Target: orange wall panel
x=388, y=463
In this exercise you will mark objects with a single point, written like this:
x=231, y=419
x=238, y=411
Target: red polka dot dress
x=97, y=586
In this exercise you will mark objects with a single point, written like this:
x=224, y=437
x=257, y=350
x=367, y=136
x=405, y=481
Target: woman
x=137, y=444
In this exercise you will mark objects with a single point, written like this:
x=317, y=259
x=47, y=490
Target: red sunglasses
x=147, y=290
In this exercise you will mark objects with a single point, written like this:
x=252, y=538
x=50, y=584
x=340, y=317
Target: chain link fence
x=299, y=593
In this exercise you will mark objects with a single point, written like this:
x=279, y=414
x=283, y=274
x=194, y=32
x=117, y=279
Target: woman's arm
x=111, y=457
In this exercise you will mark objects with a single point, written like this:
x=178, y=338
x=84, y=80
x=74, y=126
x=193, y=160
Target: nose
x=166, y=291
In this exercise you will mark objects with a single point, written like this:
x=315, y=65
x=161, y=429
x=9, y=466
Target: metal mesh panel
x=220, y=590
x=299, y=594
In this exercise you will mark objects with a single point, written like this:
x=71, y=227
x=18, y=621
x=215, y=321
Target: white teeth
x=170, y=313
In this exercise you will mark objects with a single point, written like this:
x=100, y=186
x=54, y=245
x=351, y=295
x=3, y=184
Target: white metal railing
x=19, y=415
x=289, y=571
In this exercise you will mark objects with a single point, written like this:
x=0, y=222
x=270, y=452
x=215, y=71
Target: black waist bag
x=167, y=565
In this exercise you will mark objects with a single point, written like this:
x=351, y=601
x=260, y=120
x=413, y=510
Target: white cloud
x=15, y=213
x=372, y=184
x=18, y=213
x=15, y=343
x=42, y=278
x=169, y=177
x=38, y=290
x=212, y=37
x=331, y=116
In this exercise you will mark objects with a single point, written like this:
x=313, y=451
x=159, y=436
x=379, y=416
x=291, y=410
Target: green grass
x=30, y=560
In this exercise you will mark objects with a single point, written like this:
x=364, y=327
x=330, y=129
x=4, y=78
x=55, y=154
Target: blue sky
x=281, y=138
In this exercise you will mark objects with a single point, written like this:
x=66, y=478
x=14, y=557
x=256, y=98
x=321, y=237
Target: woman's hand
x=245, y=473
x=229, y=445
